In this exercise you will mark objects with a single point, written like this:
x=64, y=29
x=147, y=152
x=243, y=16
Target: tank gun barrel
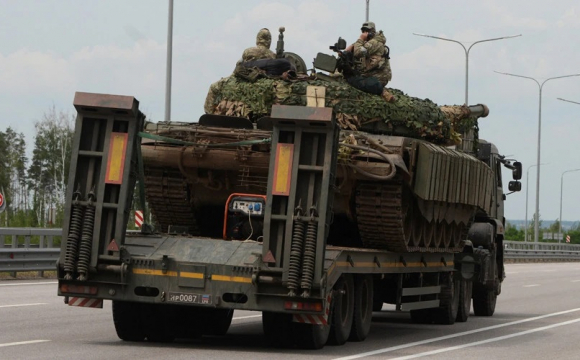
x=479, y=110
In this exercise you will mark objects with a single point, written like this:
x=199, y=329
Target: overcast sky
x=51, y=48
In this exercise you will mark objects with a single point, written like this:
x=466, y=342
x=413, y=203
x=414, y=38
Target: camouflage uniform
x=262, y=48
x=371, y=59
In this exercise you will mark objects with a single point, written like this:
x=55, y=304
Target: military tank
x=401, y=183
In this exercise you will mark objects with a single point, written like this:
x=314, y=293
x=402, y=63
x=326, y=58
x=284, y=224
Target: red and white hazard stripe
x=138, y=218
x=315, y=319
x=85, y=302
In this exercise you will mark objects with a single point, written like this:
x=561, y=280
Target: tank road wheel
x=342, y=310
x=127, y=320
x=439, y=234
x=408, y=225
x=465, y=292
x=417, y=238
x=277, y=328
x=484, y=300
x=220, y=321
x=449, y=300
x=428, y=233
x=448, y=236
x=363, y=308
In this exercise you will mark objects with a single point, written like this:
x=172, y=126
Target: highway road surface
x=537, y=317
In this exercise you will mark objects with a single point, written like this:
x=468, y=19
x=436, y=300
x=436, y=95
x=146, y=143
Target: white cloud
x=570, y=19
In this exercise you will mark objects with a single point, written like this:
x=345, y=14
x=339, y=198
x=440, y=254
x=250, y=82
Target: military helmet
x=264, y=37
x=368, y=25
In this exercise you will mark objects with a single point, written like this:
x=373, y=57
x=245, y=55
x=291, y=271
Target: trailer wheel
x=157, y=320
x=219, y=321
x=449, y=301
x=484, y=301
x=465, y=293
x=277, y=328
x=363, y=308
x=342, y=310
x=309, y=336
x=127, y=320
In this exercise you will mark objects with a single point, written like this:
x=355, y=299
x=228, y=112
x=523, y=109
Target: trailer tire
x=158, y=322
x=465, y=293
x=363, y=308
x=342, y=310
x=219, y=321
x=449, y=301
x=310, y=336
x=277, y=329
x=127, y=320
x=484, y=301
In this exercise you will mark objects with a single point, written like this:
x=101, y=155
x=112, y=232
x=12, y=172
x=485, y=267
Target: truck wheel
x=363, y=308
x=277, y=328
x=465, y=293
x=449, y=302
x=484, y=301
x=219, y=321
x=309, y=336
x=127, y=320
x=342, y=310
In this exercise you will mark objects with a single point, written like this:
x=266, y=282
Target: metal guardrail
x=33, y=249
x=530, y=251
x=29, y=249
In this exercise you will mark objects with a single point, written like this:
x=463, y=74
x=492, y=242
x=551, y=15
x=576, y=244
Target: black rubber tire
x=484, y=301
x=422, y=316
x=363, y=308
x=219, y=321
x=158, y=322
x=277, y=329
x=342, y=310
x=465, y=293
x=127, y=320
x=449, y=301
x=308, y=336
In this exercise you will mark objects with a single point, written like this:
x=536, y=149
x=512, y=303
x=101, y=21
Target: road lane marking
x=18, y=305
x=24, y=343
x=34, y=283
x=499, y=338
x=451, y=336
x=532, y=285
x=246, y=317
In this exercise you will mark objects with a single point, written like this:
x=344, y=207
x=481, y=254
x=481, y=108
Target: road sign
x=138, y=218
x=2, y=203
x=567, y=238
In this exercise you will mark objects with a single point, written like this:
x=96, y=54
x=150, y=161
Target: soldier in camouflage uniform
x=371, y=54
x=262, y=48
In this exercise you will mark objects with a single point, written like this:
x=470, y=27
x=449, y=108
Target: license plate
x=189, y=298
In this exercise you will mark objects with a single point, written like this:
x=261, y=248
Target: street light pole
x=527, y=188
x=467, y=55
x=561, y=192
x=540, y=86
x=467, y=142
x=169, y=62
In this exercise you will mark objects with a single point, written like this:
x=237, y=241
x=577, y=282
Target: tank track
x=388, y=218
x=168, y=197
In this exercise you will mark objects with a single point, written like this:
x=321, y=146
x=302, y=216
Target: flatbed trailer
x=167, y=286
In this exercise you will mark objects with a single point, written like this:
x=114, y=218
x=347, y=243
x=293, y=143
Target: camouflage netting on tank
x=355, y=110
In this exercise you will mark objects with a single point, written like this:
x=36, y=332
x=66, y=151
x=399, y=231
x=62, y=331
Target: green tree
x=13, y=176
x=512, y=233
x=532, y=230
x=48, y=171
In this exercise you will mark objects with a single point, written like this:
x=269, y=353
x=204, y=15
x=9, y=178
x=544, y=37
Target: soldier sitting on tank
x=259, y=61
x=371, y=61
